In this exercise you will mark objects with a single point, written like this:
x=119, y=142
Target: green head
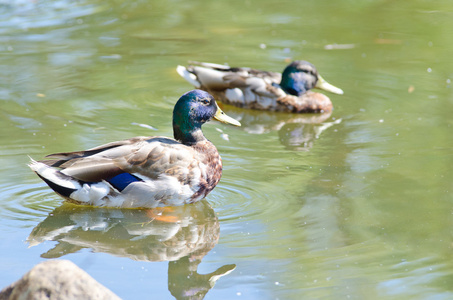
x=192, y=110
x=301, y=76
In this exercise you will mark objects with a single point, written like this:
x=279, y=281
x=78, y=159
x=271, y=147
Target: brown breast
x=209, y=156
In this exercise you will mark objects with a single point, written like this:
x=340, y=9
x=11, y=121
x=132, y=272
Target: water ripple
x=27, y=202
x=248, y=200
x=233, y=200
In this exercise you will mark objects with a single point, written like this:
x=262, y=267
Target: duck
x=289, y=91
x=144, y=172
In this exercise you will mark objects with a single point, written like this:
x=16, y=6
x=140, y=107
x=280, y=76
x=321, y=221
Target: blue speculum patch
x=121, y=181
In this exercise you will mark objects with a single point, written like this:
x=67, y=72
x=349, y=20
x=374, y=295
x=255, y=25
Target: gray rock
x=56, y=280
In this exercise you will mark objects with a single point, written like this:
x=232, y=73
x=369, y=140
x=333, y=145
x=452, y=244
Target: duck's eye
x=205, y=101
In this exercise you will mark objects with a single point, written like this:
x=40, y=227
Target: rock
x=56, y=280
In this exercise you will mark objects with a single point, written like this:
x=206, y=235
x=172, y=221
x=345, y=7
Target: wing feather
x=147, y=156
x=203, y=71
x=213, y=77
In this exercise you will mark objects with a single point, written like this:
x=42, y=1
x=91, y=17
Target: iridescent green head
x=301, y=76
x=192, y=110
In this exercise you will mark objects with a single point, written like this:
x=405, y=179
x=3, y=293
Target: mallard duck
x=144, y=171
x=249, y=88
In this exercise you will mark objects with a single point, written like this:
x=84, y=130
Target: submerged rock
x=56, y=279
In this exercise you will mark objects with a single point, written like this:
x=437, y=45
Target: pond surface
x=356, y=204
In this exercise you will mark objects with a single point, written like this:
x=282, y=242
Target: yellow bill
x=324, y=85
x=222, y=117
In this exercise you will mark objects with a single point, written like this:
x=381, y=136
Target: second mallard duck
x=289, y=91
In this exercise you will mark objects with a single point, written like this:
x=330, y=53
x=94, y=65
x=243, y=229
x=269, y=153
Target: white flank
x=191, y=78
x=235, y=95
x=92, y=193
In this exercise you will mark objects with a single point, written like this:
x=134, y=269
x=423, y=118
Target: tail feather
x=59, y=182
x=61, y=190
x=190, y=77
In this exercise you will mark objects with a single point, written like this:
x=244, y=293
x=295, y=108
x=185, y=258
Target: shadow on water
x=181, y=235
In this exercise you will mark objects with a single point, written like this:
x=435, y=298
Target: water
x=352, y=205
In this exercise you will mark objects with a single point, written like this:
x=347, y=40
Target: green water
x=353, y=205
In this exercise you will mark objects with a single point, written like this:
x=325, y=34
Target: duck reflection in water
x=296, y=131
x=182, y=235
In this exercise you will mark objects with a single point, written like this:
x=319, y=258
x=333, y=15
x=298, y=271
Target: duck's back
x=242, y=87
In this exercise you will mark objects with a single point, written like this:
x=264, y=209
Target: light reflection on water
x=296, y=131
x=181, y=235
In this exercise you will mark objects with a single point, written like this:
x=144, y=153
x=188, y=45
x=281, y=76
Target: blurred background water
x=352, y=205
